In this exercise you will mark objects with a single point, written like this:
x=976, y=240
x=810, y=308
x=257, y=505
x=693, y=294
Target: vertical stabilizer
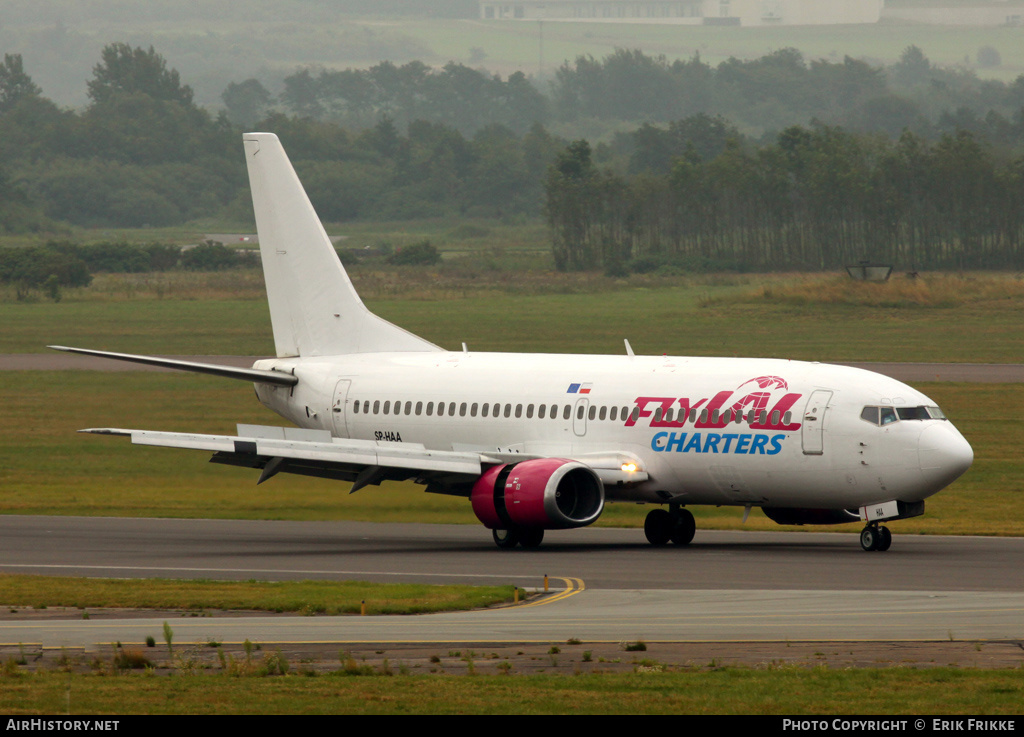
x=314, y=308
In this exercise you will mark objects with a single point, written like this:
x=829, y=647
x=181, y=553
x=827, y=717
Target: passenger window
x=376, y=406
x=775, y=417
x=529, y=411
x=635, y=414
x=472, y=410
x=430, y=408
x=355, y=407
x=540, y=412
x=419, y=408
x=614, y=414
x=462, y=410
x=519, y=411
x=658, y=414
x=483, y=409
x=408, y=408
x=508, y=410
x=603, y=413
x=567, y=412
x=593, y=412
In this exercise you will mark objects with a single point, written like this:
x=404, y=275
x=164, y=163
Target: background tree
x=15, y=84
x=124, y=70
x=246, y=102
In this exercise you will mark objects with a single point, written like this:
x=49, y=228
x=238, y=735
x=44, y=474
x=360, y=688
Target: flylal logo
x=723, y=408
x=765, y=382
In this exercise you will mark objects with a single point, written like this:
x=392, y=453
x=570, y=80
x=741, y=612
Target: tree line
x=762, y=95
x=697, y=190
x=817, y=197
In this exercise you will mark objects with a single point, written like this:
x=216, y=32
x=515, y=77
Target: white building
x=695, y=12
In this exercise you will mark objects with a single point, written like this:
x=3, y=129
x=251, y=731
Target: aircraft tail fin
x=314, y=309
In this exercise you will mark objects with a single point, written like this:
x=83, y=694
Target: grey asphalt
x=727, y=586
x=751, y=586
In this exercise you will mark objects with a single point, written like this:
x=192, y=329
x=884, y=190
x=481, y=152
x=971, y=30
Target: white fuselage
x=764, y=432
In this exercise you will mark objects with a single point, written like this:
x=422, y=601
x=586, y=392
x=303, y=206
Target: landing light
x=629, y=467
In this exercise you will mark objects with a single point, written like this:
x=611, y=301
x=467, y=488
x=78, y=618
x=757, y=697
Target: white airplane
x=539, y=442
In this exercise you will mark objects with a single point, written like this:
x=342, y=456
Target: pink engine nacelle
x=546, y=493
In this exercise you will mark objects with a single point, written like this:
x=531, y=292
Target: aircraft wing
x=363, y=462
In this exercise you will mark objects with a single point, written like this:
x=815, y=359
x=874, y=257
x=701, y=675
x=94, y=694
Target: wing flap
x=357, y=453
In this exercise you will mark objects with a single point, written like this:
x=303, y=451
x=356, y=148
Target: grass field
x=972, y=318
x=650, y=689
x=46, y=468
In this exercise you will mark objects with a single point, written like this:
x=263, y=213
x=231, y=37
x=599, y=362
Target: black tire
x=505, y=539
x=884, y=539
x=869, y=538
x=532, y=537
x=684, y=528
x=658, y=527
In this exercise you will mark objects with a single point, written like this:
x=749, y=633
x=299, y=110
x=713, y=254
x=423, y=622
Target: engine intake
x=548, y=493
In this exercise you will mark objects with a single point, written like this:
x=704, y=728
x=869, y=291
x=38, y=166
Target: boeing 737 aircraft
x=538, y=442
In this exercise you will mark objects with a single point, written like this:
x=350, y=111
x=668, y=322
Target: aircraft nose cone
x=944, y=454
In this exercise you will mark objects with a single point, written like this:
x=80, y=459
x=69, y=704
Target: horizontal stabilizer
x=258, y=376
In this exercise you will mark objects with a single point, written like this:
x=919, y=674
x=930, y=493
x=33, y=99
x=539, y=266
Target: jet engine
x=543, y=493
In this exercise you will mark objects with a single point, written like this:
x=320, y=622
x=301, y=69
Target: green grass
x=498, y=310
x=47, y=468
x=779, y=690
x=305, y=597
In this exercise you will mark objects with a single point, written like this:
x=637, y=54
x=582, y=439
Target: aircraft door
x=579, y=417
x=339, y=409
x=814, y=422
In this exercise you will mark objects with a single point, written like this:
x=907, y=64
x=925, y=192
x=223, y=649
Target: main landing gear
x=675, y=524
x=528, y=537
x=875, y=537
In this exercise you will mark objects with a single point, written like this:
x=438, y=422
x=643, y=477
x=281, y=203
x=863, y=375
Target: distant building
x=693, y=12
x=997, y=13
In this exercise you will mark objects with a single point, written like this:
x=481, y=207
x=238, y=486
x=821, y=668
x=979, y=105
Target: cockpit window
x=888, y=415
x=912, y=413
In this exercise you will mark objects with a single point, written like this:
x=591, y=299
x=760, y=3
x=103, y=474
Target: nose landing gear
x=875, y=537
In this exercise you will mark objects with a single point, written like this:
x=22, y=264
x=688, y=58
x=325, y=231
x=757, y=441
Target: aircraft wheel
x=532, y=537
x=505, y=539
x=658, y=527
x=869, y=538
x=884, y=539
x=684, y=528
